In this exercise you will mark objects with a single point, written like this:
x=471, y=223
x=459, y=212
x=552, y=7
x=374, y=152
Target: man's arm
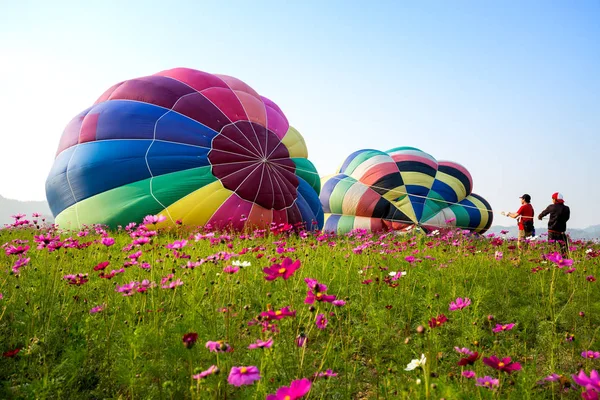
x=515, y=214
x=545, y=212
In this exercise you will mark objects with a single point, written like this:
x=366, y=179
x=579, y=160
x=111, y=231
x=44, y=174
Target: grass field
x=130, y=314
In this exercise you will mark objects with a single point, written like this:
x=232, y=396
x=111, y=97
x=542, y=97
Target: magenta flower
x=438, y=321
x=127, y=289
x=21, y=262
x=239, y=376
x=283, y=270
x=301, y=340
x=320, y=296
x=173, y=284
x=591, y=383
x=189, y=339
x=464, y=350
x=218, y=347
x=108, y=241
x=460, y=303
x=1, y=296
x=77, y=279
x=153, y=219
x=97, y=309
x=178, y=244
x=296, y=390
x=557, y=259
x=278, y=314
x=213, y=369
x=327, y=374
x=231, y=269
x=469, y=360
x=321, y=321
x=259, y=344
x=500, y=328
x=410, y=259
x=502, y=364
x=468, y=374
x=590, y=278
x=590, y=354
x=498, y=255
x=488, y=382
x=338, y=303
x=15, y=251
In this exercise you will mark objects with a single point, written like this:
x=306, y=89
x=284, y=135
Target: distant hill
x=10, y=207
x=591, y=232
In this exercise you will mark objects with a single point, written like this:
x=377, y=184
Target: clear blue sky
x=509, y=89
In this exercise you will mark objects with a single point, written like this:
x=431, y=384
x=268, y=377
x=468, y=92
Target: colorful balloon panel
x=196, y=147
x=398, y=189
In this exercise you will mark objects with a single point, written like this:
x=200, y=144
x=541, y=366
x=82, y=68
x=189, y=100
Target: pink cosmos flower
x=338, y=303
x=127, y=289
x=1, y=296
x=464, y=350
x=153, y=219
x=438, y=321
x=218, y=347
x=312, y=297
x=327, y=374
x=283, y=270
x=590, y=354
x=460, y=303
x=21, y=262
x=213, y=369
x=278, y=314
x=239, y=376
x=410, y=259
x=301, y=340
x=296, y=390
x=468, y=374
x=557, y=259
x=488, y=382
x=178, y=244
x=498, y=255
x=108, y=241
x=15, y=251
x=321, y=321
x=502, y=364
x=173, y=284
x=101, y=266
x=591, y=383
x=259, y=344
x=500, y=328
x=77, y=279
x=97, y=309
x=231, y=269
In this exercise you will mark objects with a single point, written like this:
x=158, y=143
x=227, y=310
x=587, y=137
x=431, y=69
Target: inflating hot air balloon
x=192, y=146
x=400, y=189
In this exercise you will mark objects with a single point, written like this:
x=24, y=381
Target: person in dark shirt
x=557, y=224
x=524, y=216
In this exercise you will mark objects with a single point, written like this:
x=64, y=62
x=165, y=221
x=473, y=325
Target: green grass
x=134, y=349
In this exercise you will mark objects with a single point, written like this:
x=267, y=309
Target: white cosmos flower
x=242, y=264
x=416, y=363
x=588, y=251
x=393, y=273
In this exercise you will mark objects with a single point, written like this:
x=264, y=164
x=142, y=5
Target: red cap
x=558, y=197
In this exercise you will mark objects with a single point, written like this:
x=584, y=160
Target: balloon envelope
x=399, y=189
x=196, y=147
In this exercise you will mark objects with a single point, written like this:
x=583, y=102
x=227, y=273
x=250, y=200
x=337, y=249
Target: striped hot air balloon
x=193, y=146
x=399, y=189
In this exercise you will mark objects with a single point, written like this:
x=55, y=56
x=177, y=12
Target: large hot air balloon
x=399, y=189
x=195, y=147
